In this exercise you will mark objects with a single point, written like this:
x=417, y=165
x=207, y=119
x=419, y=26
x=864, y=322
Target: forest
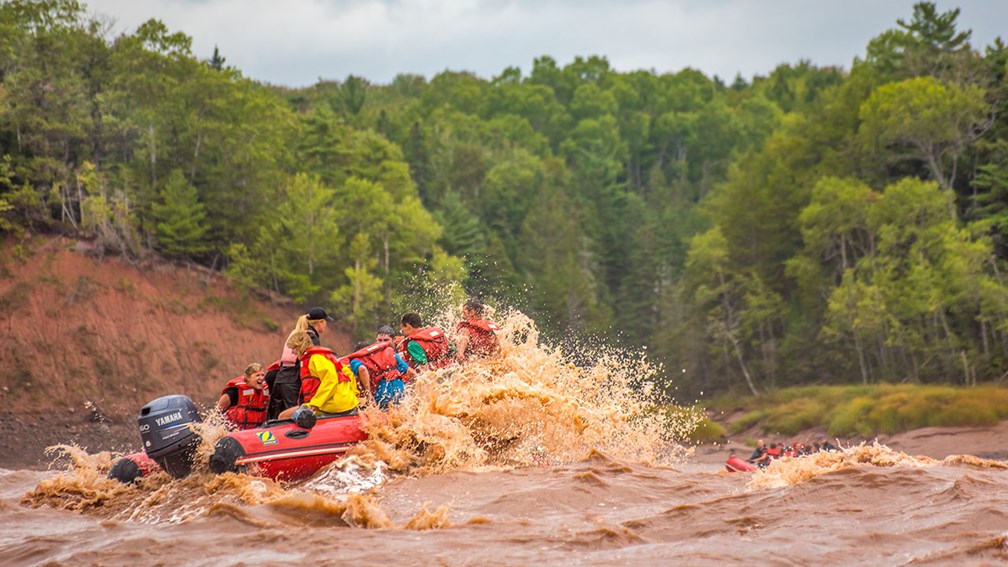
x=814, y=226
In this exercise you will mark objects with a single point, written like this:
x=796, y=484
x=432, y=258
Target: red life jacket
x=380, y=360
x=310, y=383
x=774, y=453
x=250, y=410
x=435, y=344
x=482, y=337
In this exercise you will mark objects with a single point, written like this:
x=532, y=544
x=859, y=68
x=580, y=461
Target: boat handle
x=297, y=433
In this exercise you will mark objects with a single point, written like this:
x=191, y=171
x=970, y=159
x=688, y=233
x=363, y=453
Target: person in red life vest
x=387, y=334
x=284, y=375
x=382, y=368
x=774, y=452
x=328, y=388
x=244, y=399
x=475, y=336
x=424, y=347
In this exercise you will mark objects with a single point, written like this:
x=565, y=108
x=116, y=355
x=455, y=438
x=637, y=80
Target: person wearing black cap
x=285, y=385
x=316, y=321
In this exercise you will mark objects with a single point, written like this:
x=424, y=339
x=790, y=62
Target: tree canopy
x=816, y=225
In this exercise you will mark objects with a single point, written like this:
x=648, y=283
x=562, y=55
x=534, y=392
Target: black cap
x=316, y=313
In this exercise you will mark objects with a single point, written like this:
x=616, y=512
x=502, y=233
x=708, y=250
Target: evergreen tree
x=352, y=94
x=217, y=60
x=180, y=218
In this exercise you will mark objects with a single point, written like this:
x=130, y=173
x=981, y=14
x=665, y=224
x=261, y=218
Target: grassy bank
x=847, y=411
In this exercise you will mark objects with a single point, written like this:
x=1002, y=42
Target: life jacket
x=774, y=453
x=250, y=409
x=482, y=337
x=287, y=357
x=435, y=344
x=290, y=358
x=380, y=360
x=309, y=383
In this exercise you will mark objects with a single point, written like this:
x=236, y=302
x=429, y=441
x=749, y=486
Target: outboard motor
x=165, y=432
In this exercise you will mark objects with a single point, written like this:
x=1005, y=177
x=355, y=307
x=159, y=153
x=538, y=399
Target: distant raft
x=735, y=464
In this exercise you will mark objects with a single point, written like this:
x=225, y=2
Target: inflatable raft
x=735, y=464
x=133, y=466
x=280, y=450
x=284, y=451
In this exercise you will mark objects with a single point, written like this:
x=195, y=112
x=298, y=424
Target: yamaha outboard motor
x=166, y=436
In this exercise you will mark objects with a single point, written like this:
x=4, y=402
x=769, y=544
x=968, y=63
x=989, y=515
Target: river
x=524, y=459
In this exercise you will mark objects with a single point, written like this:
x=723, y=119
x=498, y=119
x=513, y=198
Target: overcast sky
x=296, y=42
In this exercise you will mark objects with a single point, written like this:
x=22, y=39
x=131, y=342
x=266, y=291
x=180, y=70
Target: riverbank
x=26, y=436
x=988, y=442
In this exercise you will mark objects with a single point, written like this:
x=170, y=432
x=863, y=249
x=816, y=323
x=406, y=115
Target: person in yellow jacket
x=328, y=387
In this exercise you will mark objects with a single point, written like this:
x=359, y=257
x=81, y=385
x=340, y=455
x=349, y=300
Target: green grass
x=678, y=418
x=866, y=410
x=708, y=431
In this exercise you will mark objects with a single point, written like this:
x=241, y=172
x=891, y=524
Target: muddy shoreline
x=26, y=436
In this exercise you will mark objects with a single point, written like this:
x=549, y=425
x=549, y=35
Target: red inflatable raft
x=735, y=464
x=284, y=451
x=131, y=467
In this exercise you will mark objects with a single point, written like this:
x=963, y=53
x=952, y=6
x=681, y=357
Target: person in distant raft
x=379, y=366
x=475, y=336
x=424, y=347
x=244, y=399
x=328, y=387
x=284, y=375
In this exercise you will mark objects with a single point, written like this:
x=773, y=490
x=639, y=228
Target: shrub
x=796, y=415
x=707, y=431
x=866, y=410
x=750, y=419
x=849, y=417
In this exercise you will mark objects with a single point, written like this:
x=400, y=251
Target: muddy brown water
x=522, y=460
x=865, y=506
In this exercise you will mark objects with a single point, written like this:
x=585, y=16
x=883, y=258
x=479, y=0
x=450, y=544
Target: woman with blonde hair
x=328, y=387
x=286, y=382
